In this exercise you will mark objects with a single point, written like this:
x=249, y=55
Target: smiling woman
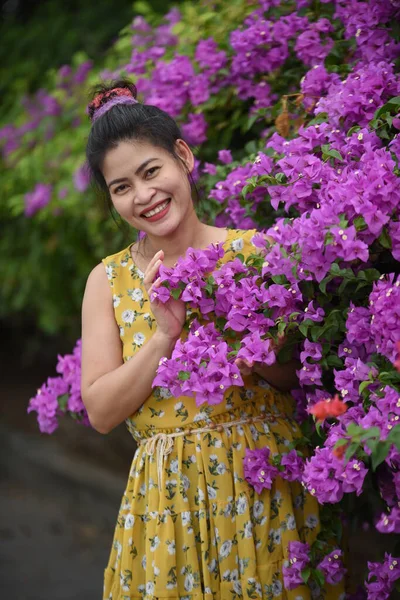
x=188, y=515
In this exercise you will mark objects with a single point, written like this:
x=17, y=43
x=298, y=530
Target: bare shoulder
x=97, y=285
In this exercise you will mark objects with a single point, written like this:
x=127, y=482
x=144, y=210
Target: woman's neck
x=191, y=233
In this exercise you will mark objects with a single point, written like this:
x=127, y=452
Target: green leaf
x=353, y=429
x=341, y=442
x=385, y=240
x=305, y=574
x=372, y=432
x=63, y=401
x=363, y=385
x=183, y=375
x=380, y=453
x=394, y=436
x=318, y=576
x=392, y=105
x=176, y=293
x=351, y=450
x=333, y=360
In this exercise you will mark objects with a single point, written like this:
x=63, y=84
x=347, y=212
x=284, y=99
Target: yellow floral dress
x=202, y=533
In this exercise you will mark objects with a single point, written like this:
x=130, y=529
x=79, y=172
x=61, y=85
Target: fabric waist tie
x=163, y=443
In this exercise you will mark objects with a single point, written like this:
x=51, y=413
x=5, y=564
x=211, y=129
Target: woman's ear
x=185, y=154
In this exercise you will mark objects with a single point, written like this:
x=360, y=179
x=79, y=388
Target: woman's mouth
x=158, y=212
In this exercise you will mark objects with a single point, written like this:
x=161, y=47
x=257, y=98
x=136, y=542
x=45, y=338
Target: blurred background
x=59, y=494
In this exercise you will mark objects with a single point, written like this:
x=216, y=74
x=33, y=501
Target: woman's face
x=148, y=187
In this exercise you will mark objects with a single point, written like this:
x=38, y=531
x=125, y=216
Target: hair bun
x=105, y=92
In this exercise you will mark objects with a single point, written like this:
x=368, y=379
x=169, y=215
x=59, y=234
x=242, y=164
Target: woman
x=189, y=525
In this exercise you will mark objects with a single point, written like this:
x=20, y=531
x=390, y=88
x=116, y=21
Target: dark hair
x=125, y=122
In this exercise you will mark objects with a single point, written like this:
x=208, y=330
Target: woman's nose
x=143, y=193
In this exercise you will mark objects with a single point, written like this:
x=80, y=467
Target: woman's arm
x=112, y=390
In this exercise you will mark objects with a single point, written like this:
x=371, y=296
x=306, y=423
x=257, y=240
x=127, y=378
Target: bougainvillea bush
x=295, y=111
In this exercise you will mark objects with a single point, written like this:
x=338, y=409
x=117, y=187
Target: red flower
x=396, y=363
x=332, y=407
x=339, y=451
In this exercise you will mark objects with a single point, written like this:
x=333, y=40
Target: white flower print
x=298, y=501
x=312, y=521
x=225, y=549
x=277, y=496
x=185, y=482
x=128, y=316
x=150, y=588
x=154, y=543
x=186, y=518
x=248, y=529
x=118, y=548
x=171, y=547
x=250, y=394
x=174, y=466
x=109, y=272
x=241, y=505
x=237, y=244
x=141, y=589
x=189, y=582
x=221, y=469
x=136, y=295
x=144, y=562
x=178, y=405
x=129, y=521
x=156, y=570
x=218, y=444
x=291, y=523
x=116, y=301
x=121, y=332
x=258, y=508
x=200, y=494
x=237, y=588
x=275, y=534
x=123, y=585
x=277, y=588
x=212, y=565
x=164, y=392
x=212, y=494
x=213, y=457
x=139, y=338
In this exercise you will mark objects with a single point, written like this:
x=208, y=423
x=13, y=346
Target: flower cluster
x=260, y=472
x=61, y=395
x=294, y=572
x=245, y=308
x=381, y=577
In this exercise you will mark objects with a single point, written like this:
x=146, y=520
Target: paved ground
x=55, y=528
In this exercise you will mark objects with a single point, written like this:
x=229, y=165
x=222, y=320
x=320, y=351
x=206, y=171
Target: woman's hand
x=282, y=377
x=170, y=317
x=246, y=367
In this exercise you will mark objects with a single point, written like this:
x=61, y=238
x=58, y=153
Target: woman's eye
x=151, y=171
x=117, y=189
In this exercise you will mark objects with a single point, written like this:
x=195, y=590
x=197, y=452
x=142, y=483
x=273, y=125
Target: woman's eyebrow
x=137, y=172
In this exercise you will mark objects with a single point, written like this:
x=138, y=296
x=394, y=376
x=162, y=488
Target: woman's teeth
x=158, y=209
